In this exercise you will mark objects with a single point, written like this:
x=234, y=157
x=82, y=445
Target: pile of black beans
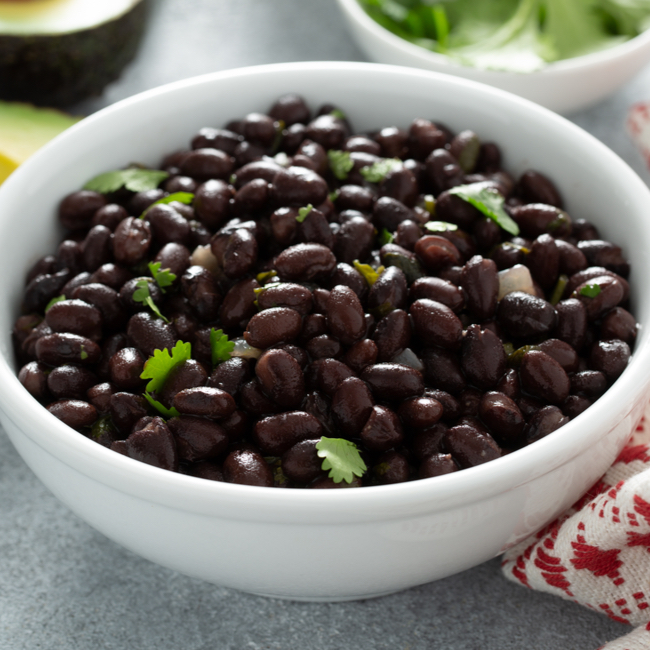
x=389, y=312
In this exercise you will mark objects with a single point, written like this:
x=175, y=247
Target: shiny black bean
x=483, y=358
x=590, y=383
x=351, y=406
x=276, y=434
x=149, y=333
x=112, y=275
x=238, y=305
x=392, y=335
x=286, y=294
x=34, y=378
x=354, y=197
x=543, y=261
x=439, y=290
x=469, y=448
x=200, y=288
x=198, y=438
x=574, y=405
x=42, y=289
x=76, y=210
x=436, y=324
x=125, y=410
x=125, y=368
x=424, y=442
x=223, y=139
x=502, y=417
x=420, y=412
x=443, y=170
x=173, y=257
x=298, y=187
x=326, y=375
x=465, y=148
x=604, y=253
x=608, y=292
x=97, y=247
x=535, y=187
x=70, y=382
x=273, y=326
x=546, y=420
x=212, y=202
x=363, y=353
x=437, y=465
x=230, y=375
x=301, y=462
x=75, y=317
x=354, y=240
x=391, y=467
x=535, y=219
x=345, y=315
x=154, y=444
x=383, y=430
x=436, y=252
x=442, y=370
x=609, y=357
x=618, y=324
x=393, y=382
x=255, y=401
x=522, y=315
x=100, y=395
x=399, y=184
x=305, y=262
x=562, y=352
x=75, y=413
x=204, y=401
x=207, y=163
x=131, y=242
x=347, y=275
x=167, y=225
x=571, y=323
x=281, y=378
x=129, y=289
x=592, y=272
x=390, y=291
x=572, y=259
x=247, y=467
x=480, y=281
x=59, y=348
x=106, y=300
x=543, y=377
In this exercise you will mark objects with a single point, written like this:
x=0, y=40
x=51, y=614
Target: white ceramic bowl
x=564, y=86
x=322, y=544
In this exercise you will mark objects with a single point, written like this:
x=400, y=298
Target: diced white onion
x=517, y=278
x=408, y=358
x=202, y=256
x=245, y=351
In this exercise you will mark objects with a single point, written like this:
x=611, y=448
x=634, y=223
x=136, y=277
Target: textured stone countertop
x=65, y=586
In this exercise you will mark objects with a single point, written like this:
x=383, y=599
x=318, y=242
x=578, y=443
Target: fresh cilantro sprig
x=385, y=237
x=486, y=198
x=341, y=163
x=303, y=213
x=143, y=295
x=590, y=290
x=171, y=412
x=133, y=179
x=158, y=366
x=342, y=459
x=185, y=198
x=376, y=172
x=164, y=277
x=221, y=346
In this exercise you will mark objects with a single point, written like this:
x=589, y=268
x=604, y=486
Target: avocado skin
x=63, y=69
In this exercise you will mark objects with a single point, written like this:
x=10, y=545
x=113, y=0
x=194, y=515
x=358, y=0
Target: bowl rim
x=576, y=64
x=369, y=503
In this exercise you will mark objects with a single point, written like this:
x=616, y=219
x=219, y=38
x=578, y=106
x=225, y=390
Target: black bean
x=483, y=358
x=278, y=433
x=198, y=438
x=437, y=465
x=230, y=375
x=247, y=467
x=352, y=404
x=327, y=375
x=522, y=315
x=383, y=430
x=204, y=401
x=546, y=420
x=393, y=382
x=125, y=368
x=542, y=376
x=239, y=304
x=618, y=324
x=480, y=281
x=286, y=294
x=273, y=326
x=149, y=333
x=609, y=357
x=354, y=240
x=75, y=317
x=436, y=324
x=534, y=187
x=73, y=412
x=131, y=242
x=205, y=164
x=76, y=210
x=469, y=447
x=281, y=378
x=502, y=416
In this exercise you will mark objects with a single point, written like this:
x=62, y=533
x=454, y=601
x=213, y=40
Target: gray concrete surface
x=64, y=586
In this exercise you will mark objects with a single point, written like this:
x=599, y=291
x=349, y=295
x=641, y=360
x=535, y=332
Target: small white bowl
x=322, y=544
x=564, y=86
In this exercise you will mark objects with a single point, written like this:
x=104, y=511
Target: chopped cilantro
x=221, y=346
x=179, y=197
x=484, y=197
x=590, y=290
x=338, y=114
x=369, y=274
x=265, y=276
x=332, y=196
x=342, y=459
x=82, y=353
x=164, y=278
x=340, y=163
x=385, y=237
x=376, y=172
x=158, y=366
x=303, y=213
x=134, y=179
x=143, y=295
x=440, y=226
x=161, y=408
x=429, y=204
x=559, y=288
x=53, y=302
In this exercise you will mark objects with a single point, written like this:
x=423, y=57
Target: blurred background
x=62, y=585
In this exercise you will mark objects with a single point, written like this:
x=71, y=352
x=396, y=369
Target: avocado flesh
x=60, y=52
x=24, y=129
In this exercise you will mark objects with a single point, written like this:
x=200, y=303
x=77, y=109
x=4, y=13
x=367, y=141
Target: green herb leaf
x=134, y=179
x=340, y=163
x=161, y=408
x=303, y=213
x=590, y=290
x=265, y=276
x=53, y=302
x=164, y=278
x=558, y=290
x=221, y=346
x=376, y=172
x=368, y=272
x=142, y=295
x=332, y=196
x=429, y=204
x=158, y=366
x=342, y=459
x=440, y=226
x=337, y=113
x=385, y=237
x=176, y=197
x=489, y=201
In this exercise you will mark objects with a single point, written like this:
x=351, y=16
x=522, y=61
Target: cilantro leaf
x=338, y=114
x=53, y=302
x=221, y=346
x=134, y=179
x=342, y=459
x=385, y=237
x=590, y=290
x=484, y=197
x=158, y=366
x=143, y=295
x=164, y=278
x=340, y=163
x=440, y=226
x=376, y=172
x=303, y=213
x=178, y=197
x=161, y=408
x=369, y=274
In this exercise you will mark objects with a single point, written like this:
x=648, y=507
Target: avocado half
x=24, y=129
x=60, y=52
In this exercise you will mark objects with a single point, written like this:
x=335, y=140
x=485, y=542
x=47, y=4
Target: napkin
x=597, y=553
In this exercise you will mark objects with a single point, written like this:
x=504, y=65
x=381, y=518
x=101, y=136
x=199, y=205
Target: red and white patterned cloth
x=598, y=552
